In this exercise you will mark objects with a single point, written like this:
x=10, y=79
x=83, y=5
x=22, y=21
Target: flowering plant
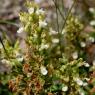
x=52, y=63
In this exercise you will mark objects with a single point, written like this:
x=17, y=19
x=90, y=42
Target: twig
x=63, y=7
x=56, y=15
x=68, y=14
x=63, y=17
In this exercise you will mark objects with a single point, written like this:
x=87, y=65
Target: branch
x=69, y=11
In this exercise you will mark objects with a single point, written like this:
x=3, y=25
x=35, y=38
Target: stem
x=58, y=28
x=62, y=3
x=3, y=46
x=68, y=14
x=63, y=17
x=57, y=21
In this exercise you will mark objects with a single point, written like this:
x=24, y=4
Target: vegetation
x=54, y=62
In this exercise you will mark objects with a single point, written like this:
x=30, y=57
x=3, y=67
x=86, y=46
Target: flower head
x=31, y=10
x=87, y=79
x=81, y=93
x=63, y=31
x=75, y=55
x=40, y=12
x=86, y=64
x=91, y=39
x=19, y=57
x=42, y=24
x=43, y=70
x=79, y=82
x=91, y=10
x=44, y=46
x=83, y=44
x=53, y=32
x=85, y=84
x=65, y=88
x=55, y=40
x=92, y=23
x=20, y=30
